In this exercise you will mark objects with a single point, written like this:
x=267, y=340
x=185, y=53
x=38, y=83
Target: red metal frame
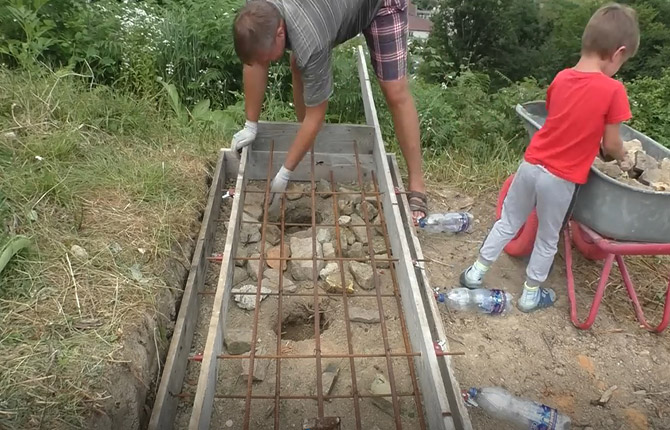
x=615, y=251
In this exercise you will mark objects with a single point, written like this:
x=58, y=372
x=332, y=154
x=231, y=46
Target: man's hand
x=277, y=186
x=245, y=136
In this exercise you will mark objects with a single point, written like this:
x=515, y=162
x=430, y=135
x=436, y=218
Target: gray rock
x=610, y=169
x=290, y=288
x=655, y=177
x=10, y=135
x=250, y=233
x=323, y=186
x=371, y=208
x=238, y=340
x=302, y=270
x=323, y=235
x=381, y=386
x=260, y=366
x=273, y=234
x=242, y=252
x=239, y=275
x=362, y=274
x=644, y=162
x=273, y=276
x=328, y=250
x=345, y=207
x=253, y=266
x=382, y=264
x=300, y=214
x=359, y=232
x=328, y=270
x=328, y=377
x=378, y=226
x=253, y=211
x=344, y=220
x=356, y=251
x=362, y=315
x=79, y=252
x=294, y=191
x=351, y=237
x=248, y=301
x=346, y=238
x=378, y=245
x=353, y=198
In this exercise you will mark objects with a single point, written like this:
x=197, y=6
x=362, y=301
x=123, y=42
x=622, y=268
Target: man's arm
x=304, y=139
x=255, y=81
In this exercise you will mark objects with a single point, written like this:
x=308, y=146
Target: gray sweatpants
x=532, y=187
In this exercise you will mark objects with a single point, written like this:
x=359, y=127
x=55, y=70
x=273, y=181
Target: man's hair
x=611, y=27
x=255, y=28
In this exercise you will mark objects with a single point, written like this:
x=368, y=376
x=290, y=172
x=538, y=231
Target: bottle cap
x=470, y=395
x=422, y=222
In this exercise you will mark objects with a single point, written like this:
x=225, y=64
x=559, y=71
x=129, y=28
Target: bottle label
x=547, y=420
x=498, y=301
x=465, y=222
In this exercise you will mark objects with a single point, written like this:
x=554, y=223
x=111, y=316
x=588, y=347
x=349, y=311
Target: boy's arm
x=618, y=112
x=612, y=142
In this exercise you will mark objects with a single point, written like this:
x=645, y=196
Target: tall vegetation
x=110, y=111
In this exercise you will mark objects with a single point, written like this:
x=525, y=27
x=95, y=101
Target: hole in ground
x=299, y=325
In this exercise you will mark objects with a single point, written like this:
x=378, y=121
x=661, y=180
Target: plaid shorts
x=386, y=38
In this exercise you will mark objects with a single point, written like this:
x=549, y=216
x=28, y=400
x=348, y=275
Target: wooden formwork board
x=441, y=413
x=165, y=405
x=204, y=396
x=457, y=406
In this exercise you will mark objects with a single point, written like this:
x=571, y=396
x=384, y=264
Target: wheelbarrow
x=609, y=220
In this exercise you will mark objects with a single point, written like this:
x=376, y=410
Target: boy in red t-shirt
x=585, y=108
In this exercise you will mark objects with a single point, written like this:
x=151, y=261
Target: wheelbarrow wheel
x=522, y=244
x=584, y=244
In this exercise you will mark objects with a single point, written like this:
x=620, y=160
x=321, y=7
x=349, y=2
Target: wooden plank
x=432, y=386
x=165, y=405
x=433, y=313
x=342, y=165
x=203, y=403
x=332, y=138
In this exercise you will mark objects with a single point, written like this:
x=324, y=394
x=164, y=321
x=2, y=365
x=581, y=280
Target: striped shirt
x=313, y=29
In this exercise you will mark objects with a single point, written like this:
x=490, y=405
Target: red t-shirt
x=579, y=104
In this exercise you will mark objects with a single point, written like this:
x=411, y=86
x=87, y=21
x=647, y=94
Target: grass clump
x=85, y=168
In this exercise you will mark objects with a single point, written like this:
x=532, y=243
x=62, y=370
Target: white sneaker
x=471, y=279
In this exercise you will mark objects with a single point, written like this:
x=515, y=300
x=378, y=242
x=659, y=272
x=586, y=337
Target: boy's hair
x=611, y=27
x=255, y=28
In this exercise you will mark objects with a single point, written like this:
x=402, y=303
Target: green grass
x=105, y=171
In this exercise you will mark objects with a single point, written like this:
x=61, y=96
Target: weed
x=108, y=173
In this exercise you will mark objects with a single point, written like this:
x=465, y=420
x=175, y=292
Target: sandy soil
x=542, y=356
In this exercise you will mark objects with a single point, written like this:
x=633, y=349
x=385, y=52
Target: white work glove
x=278, y=186
x=245, y=136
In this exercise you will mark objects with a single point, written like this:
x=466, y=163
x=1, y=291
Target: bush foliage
x=180, y=54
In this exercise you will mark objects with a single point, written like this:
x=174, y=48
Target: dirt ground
x=542, y=356
x=298, y=376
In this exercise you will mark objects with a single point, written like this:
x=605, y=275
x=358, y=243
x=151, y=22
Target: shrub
x=649, y=102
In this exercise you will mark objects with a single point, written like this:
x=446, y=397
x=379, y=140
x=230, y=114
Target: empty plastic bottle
x=501, y=404
x=452, y=223
x=494, y=302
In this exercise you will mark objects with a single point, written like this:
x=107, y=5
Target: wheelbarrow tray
x=611, y=208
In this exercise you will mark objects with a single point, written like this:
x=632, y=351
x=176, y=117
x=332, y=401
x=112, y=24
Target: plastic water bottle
x=500, y=404
x=452, y=223
x=494, y=302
